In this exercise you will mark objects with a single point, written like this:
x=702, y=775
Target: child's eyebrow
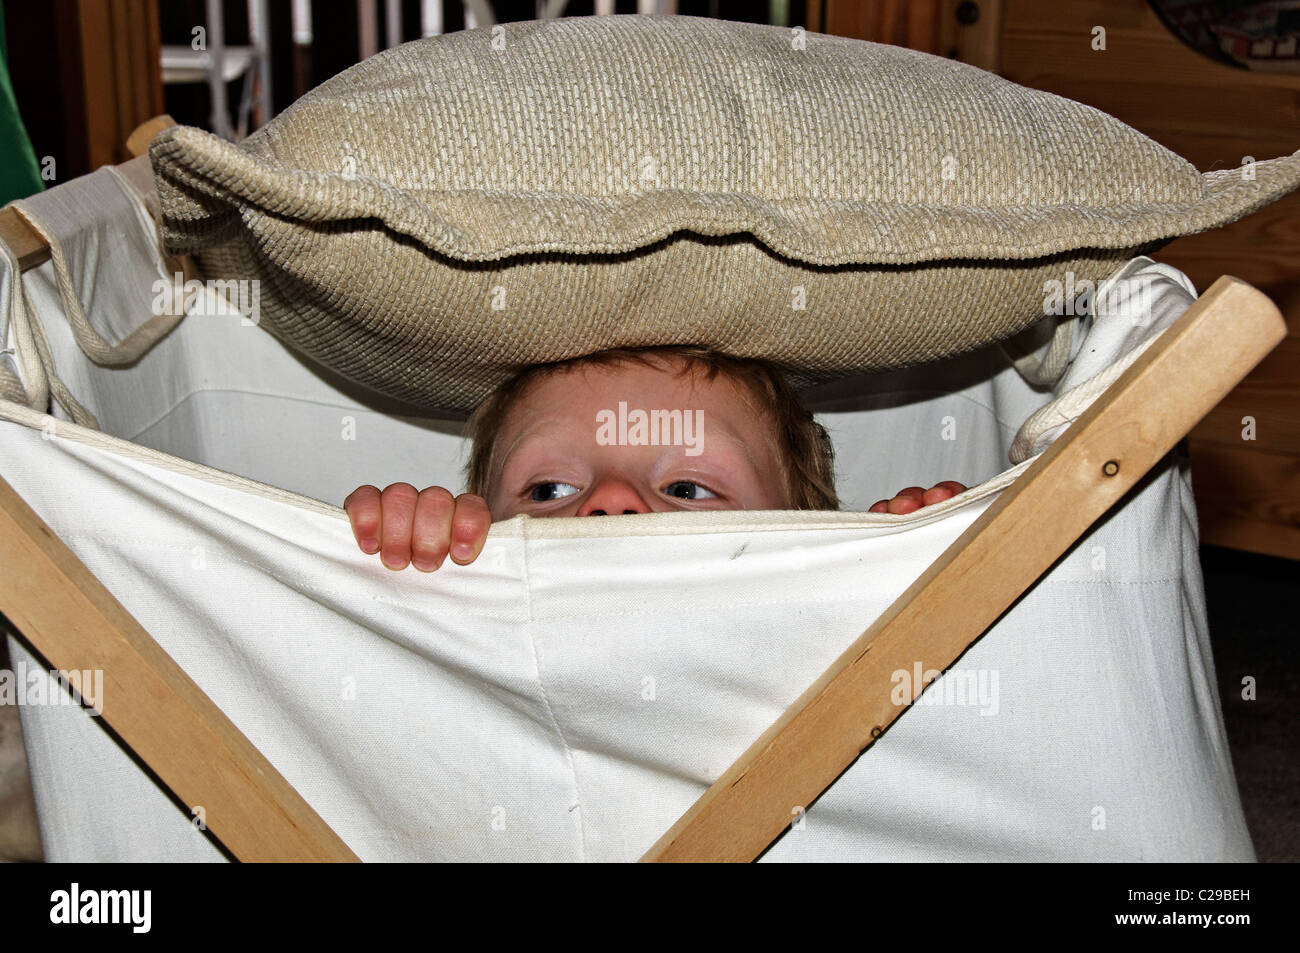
x=514, y=444
x=505, y=454
x=729, y=435
x=716, y=428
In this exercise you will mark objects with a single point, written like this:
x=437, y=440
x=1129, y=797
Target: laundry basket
x=569, y=694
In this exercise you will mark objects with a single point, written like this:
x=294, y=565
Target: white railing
x=208, y=59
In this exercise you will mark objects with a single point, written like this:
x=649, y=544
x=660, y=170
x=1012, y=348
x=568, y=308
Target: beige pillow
x=457, y=207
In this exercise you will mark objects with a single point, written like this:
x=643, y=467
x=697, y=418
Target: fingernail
x=370, y=545
x=462, y=550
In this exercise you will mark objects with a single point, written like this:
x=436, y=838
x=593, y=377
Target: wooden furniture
x=1104, y=453
x=85, y=73
x=71, y=620
x=1193, y=367
x=1246, y=453
x=959, y=29
x=1246, y=478
x=68, y=618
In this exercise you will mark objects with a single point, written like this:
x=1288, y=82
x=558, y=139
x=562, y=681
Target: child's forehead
x=668, y=380
x=674, y=372
x=558, y=411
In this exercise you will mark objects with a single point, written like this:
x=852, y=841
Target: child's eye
x=545, y=492
x=682, y=489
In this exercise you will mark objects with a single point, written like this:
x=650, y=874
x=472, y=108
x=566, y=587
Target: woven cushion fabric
x=454, y=208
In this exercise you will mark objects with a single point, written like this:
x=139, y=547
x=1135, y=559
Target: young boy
x=704, y=431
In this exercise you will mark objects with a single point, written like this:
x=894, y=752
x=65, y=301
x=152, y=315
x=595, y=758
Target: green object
x=20, y=175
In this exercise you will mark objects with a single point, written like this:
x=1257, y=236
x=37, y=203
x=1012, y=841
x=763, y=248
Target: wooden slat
x=70, y=619
x=23, y=240
x=1132, y=426
x=138, y=142
x=923, y=25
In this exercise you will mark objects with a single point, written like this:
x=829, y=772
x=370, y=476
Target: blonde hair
x=807, y=456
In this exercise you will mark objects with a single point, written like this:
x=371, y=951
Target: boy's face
x=567, y=447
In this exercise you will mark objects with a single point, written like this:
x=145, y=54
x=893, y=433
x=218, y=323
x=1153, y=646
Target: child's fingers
x=905, y=503
x=912, y=498
x=941, y=491
x=469, y=528
x=363, y=509
x=398, y=505
x=431, y=532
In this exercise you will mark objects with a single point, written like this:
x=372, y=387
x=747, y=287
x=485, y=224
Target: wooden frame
x=28, y=246
x=74, y=623
x=1246, y=481
x=68, y=617
x=1139, y=418
x=24, y=241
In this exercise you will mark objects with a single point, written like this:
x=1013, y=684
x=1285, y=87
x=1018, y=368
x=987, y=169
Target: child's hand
x=912, y=498
x=419, y=528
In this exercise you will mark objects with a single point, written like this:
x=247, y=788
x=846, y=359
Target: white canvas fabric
x=583, y=690
x=571, y=693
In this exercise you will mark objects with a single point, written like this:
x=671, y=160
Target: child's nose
x=611, y=498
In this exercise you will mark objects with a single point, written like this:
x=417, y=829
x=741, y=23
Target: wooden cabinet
x=1246, y=454
x=85, y=74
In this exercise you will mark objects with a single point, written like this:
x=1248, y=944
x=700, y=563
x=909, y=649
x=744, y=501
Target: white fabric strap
x=1046, y=369
x=32, y=353
x=131, y=348
x=1131, y=309
x=33, y=389
x=58, y=390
